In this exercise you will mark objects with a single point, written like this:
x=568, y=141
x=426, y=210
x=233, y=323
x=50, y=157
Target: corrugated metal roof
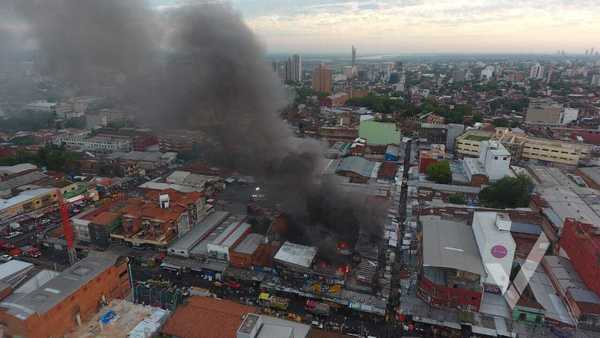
x=249, y=244
x=296, y=254
x=450, y=245
x=57, y=289
x=12, y=267
x=198, y=232
x=358, y=165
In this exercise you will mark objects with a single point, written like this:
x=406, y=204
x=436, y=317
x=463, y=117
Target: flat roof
x=12, y=267
x=488, y=236
x=296, y=254
x=249, y=244
x=276, y=327
x=60, y=287
x=24, y=196
x=451, y=245
x=199, y=231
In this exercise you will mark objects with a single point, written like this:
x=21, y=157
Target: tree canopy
x=439, y=172
x=508, y=192
x=52, y=157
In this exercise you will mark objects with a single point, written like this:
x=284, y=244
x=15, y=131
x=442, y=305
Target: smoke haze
x=198, y=67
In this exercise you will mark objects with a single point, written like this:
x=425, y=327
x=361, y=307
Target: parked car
x=5, y=258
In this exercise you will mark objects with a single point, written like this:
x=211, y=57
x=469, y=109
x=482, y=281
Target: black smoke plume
x=196, y=67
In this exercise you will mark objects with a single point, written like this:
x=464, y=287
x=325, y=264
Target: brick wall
x=86, y=301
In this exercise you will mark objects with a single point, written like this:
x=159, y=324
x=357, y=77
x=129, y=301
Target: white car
x=5, y=258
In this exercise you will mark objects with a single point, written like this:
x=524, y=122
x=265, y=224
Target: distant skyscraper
x=596, y=80
x=295, y=65
x=536, y=72
x=353, y=56
x=321, y=79
x=289, y=70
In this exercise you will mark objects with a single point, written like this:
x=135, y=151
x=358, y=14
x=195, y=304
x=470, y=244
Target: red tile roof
x=203, y=317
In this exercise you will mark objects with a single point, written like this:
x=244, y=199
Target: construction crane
x=67, y=228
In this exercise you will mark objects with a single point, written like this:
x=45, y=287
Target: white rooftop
x=296, y=254
x=496, y=247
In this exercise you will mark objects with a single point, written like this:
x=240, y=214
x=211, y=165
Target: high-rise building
x=596, y=80
x=290, y=69
x=322, y=79
x=295, y=66
x=353, y=56
x=536, y=72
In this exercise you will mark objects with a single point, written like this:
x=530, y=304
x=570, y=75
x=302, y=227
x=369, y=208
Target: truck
x=278, y=303
x=317, y=308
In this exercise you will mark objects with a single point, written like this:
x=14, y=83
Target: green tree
x=439, y=172
x=508, y=192
x=457, y=198
x=76, y=122
x=501, y=122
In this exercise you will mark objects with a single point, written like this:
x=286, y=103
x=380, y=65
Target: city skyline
x=413, y=26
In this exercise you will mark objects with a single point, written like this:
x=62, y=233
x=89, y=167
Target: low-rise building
x=583, y=304
x=492, y=164
x=468, y=143
x=28, y=201
x=379, y=133
x=66, y=300
x=296, y=256
x=436, y=153
x=544, y=111
x=451, y=268
x=580, y=242
x=523, y=147
x=83, y=140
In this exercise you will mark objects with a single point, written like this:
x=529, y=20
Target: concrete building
x=27, y=201
x=544, y=111
x=66, y=300
x=580, y=242
x=322, y=79
x=536, y=72
x=295, y=68
x=487, y=73
x=99, y=143
x=468, y=143
x=569, y=115
x=523, y=147
x=495, y=159
x=493, y=163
